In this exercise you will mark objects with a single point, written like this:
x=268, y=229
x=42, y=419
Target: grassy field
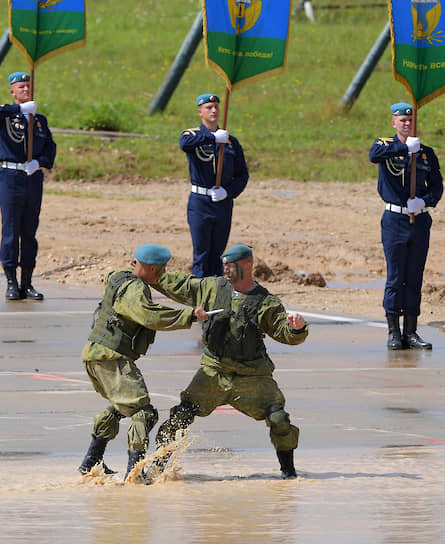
x=290, y=126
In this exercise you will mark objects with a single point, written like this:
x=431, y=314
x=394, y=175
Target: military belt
x=403, y=210
x=200, y=190
x=14, y=165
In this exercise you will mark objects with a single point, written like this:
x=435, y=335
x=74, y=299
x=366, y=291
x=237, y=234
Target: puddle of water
x=224, y=497
x=356, y=279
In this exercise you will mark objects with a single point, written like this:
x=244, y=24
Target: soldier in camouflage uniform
x=235, y=367
x=123, y=328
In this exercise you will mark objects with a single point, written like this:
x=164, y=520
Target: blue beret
x=18, y=76
x=402, y=108
x=204, y=98
x=236, y=253
x=152, y=254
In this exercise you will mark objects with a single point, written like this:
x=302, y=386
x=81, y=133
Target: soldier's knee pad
x=106, y=423
x=149, y=415
x=278, y=420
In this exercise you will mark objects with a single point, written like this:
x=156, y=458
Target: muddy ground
x=317, y=245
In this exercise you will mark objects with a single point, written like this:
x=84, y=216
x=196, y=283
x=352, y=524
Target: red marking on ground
x=46, y=377
x=225, y=409
x=432, y=441
x=398, y=385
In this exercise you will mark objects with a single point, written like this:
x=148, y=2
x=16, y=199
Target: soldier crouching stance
x=124, y=328
x=235, y=367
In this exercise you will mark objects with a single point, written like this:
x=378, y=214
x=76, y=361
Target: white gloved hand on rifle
x=218, y=194
x=413, y=144
x=415, y=204
x=31, y=167
x=221, y=136
x=29, y=107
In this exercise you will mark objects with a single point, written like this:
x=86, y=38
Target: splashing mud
x=163, y=464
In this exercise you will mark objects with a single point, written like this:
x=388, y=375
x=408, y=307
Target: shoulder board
x=384, y=140
x=191, y=130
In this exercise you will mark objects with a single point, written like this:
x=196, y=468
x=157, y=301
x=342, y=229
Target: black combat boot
x=394, y=335
x=410, y=338
x=26, y=289
x=286, y=459
x=134, y=456
x=12, y=290
x=95, y=455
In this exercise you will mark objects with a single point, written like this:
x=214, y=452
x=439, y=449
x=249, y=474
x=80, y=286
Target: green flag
x=418, y=41
x=44, y=28
x=246, y=40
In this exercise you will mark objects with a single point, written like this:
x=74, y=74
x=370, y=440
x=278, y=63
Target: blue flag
x=418, y=41
x=246, y=39
x=44, y=28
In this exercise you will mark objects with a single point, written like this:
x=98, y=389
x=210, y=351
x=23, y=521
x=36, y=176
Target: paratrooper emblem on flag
x=426, y=16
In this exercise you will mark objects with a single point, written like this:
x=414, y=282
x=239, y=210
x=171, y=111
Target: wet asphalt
x=370, y=461
x=343, y=387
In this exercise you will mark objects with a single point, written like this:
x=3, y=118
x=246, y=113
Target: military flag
x=246, y=39
x=418, y=54
x=418, y=41
x=44, y=28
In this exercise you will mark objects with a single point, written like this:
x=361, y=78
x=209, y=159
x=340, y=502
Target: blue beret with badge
x=17, y=77
x=236, y=253
x=402, y=108
x=205, y=98
x=152, y=254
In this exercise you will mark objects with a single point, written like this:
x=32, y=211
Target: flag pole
x=221, y=146
x=31, y=116
x=240, y=16
x=412, y=192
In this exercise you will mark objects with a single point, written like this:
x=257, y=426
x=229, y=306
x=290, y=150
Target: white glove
x=221, y=136
x=29, y=107
x=218, y=194
x=415, y=204
x=31, y=167
x=413, y=144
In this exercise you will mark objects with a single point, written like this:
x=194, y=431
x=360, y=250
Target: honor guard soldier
x=405, y=244
x=209, y=210
x=235, y=367
x=124, y=327
x=21, y=185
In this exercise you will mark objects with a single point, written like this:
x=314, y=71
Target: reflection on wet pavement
x=384, y=495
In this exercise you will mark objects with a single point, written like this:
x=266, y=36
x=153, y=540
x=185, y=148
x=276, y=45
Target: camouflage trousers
x=251, y=395
x=121, y=382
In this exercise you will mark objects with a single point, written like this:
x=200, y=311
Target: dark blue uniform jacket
x=395, y=172
x=13, y=147
x=202, y=154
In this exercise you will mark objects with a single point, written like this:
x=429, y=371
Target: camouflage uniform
x=241, y=373
x=114, y=374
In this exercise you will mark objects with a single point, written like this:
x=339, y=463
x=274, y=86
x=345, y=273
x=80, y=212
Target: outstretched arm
x=287, y=328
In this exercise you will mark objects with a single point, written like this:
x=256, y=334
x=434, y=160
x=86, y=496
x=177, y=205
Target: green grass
x=290, y=125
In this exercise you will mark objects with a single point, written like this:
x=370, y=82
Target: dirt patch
x=305, y=237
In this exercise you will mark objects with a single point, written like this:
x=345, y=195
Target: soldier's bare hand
x=200, y=314
x=295, y=320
